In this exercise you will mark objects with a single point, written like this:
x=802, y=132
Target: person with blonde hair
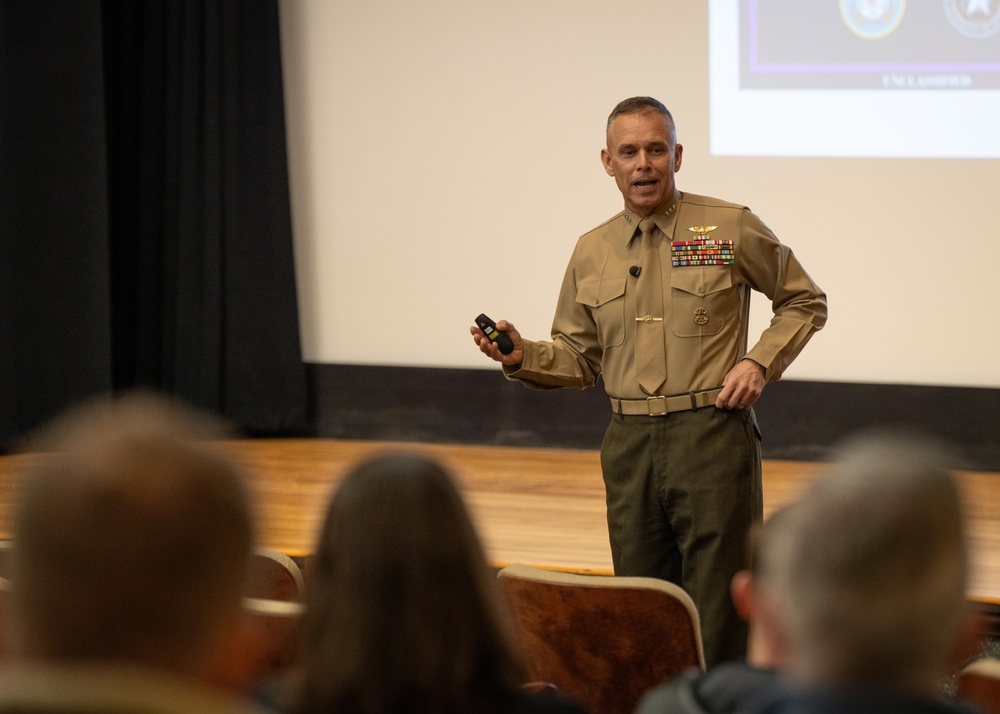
x=402, y=611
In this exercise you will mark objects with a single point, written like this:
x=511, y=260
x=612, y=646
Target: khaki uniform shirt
x=705, y=307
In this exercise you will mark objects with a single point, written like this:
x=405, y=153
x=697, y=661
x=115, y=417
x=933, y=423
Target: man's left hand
x=742, y=385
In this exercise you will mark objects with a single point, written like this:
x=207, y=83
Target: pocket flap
x=701, y=281
x=595, y=292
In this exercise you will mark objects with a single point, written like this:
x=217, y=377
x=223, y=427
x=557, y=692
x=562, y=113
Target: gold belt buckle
x=663, y=403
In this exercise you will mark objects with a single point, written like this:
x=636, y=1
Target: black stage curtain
x=145, y=228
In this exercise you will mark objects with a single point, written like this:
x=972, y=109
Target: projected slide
x=894, y=78
x=870, y=44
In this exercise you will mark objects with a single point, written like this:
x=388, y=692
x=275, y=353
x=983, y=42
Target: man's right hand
x=492, y=351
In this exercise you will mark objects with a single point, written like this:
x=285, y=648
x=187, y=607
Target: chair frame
x=632, y=648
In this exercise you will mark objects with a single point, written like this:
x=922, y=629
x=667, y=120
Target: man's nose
x=642, y=159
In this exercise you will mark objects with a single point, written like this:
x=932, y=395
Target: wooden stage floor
x=537, y=506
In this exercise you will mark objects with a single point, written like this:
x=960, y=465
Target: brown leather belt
x=661, y=406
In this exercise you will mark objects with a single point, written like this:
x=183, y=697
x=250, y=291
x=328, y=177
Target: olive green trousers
x=683, y=492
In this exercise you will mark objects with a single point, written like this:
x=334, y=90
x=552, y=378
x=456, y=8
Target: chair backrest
x=979, y=682
x=272, y=604
x=272, y=575
x=604, y=640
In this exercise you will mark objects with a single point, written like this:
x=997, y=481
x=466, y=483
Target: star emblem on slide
x=976, y=19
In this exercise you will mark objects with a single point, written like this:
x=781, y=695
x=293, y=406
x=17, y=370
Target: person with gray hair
x=131, y=543
x=868, y=577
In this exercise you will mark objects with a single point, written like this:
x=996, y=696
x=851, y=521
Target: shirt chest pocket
x=605, y=298
x=703, y=300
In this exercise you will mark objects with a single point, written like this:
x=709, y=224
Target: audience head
x=131, y=540
x=870, y=568
x=402, y=610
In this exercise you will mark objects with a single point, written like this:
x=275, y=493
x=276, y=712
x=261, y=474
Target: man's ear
x=678, y=155
x=741, y=589
x=606, y=162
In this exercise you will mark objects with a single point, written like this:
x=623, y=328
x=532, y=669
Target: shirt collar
x=663, y=216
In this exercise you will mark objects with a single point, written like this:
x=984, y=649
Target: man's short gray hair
x=643, y=105
x=872, y=566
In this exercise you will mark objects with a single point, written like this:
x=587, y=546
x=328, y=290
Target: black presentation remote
x=489, y=328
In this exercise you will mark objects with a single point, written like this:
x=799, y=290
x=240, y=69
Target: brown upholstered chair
x=979, y=683
x=603, y=640
x=272, y=575
x=272, y=603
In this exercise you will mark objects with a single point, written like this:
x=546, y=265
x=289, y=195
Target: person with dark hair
x=131, y=543
x=402, y=611
x=656, y=301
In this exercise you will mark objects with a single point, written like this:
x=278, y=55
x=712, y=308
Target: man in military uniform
x=657, y=300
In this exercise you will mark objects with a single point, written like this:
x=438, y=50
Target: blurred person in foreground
x=403, y=613
x=867, y=584
x=131, y=541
